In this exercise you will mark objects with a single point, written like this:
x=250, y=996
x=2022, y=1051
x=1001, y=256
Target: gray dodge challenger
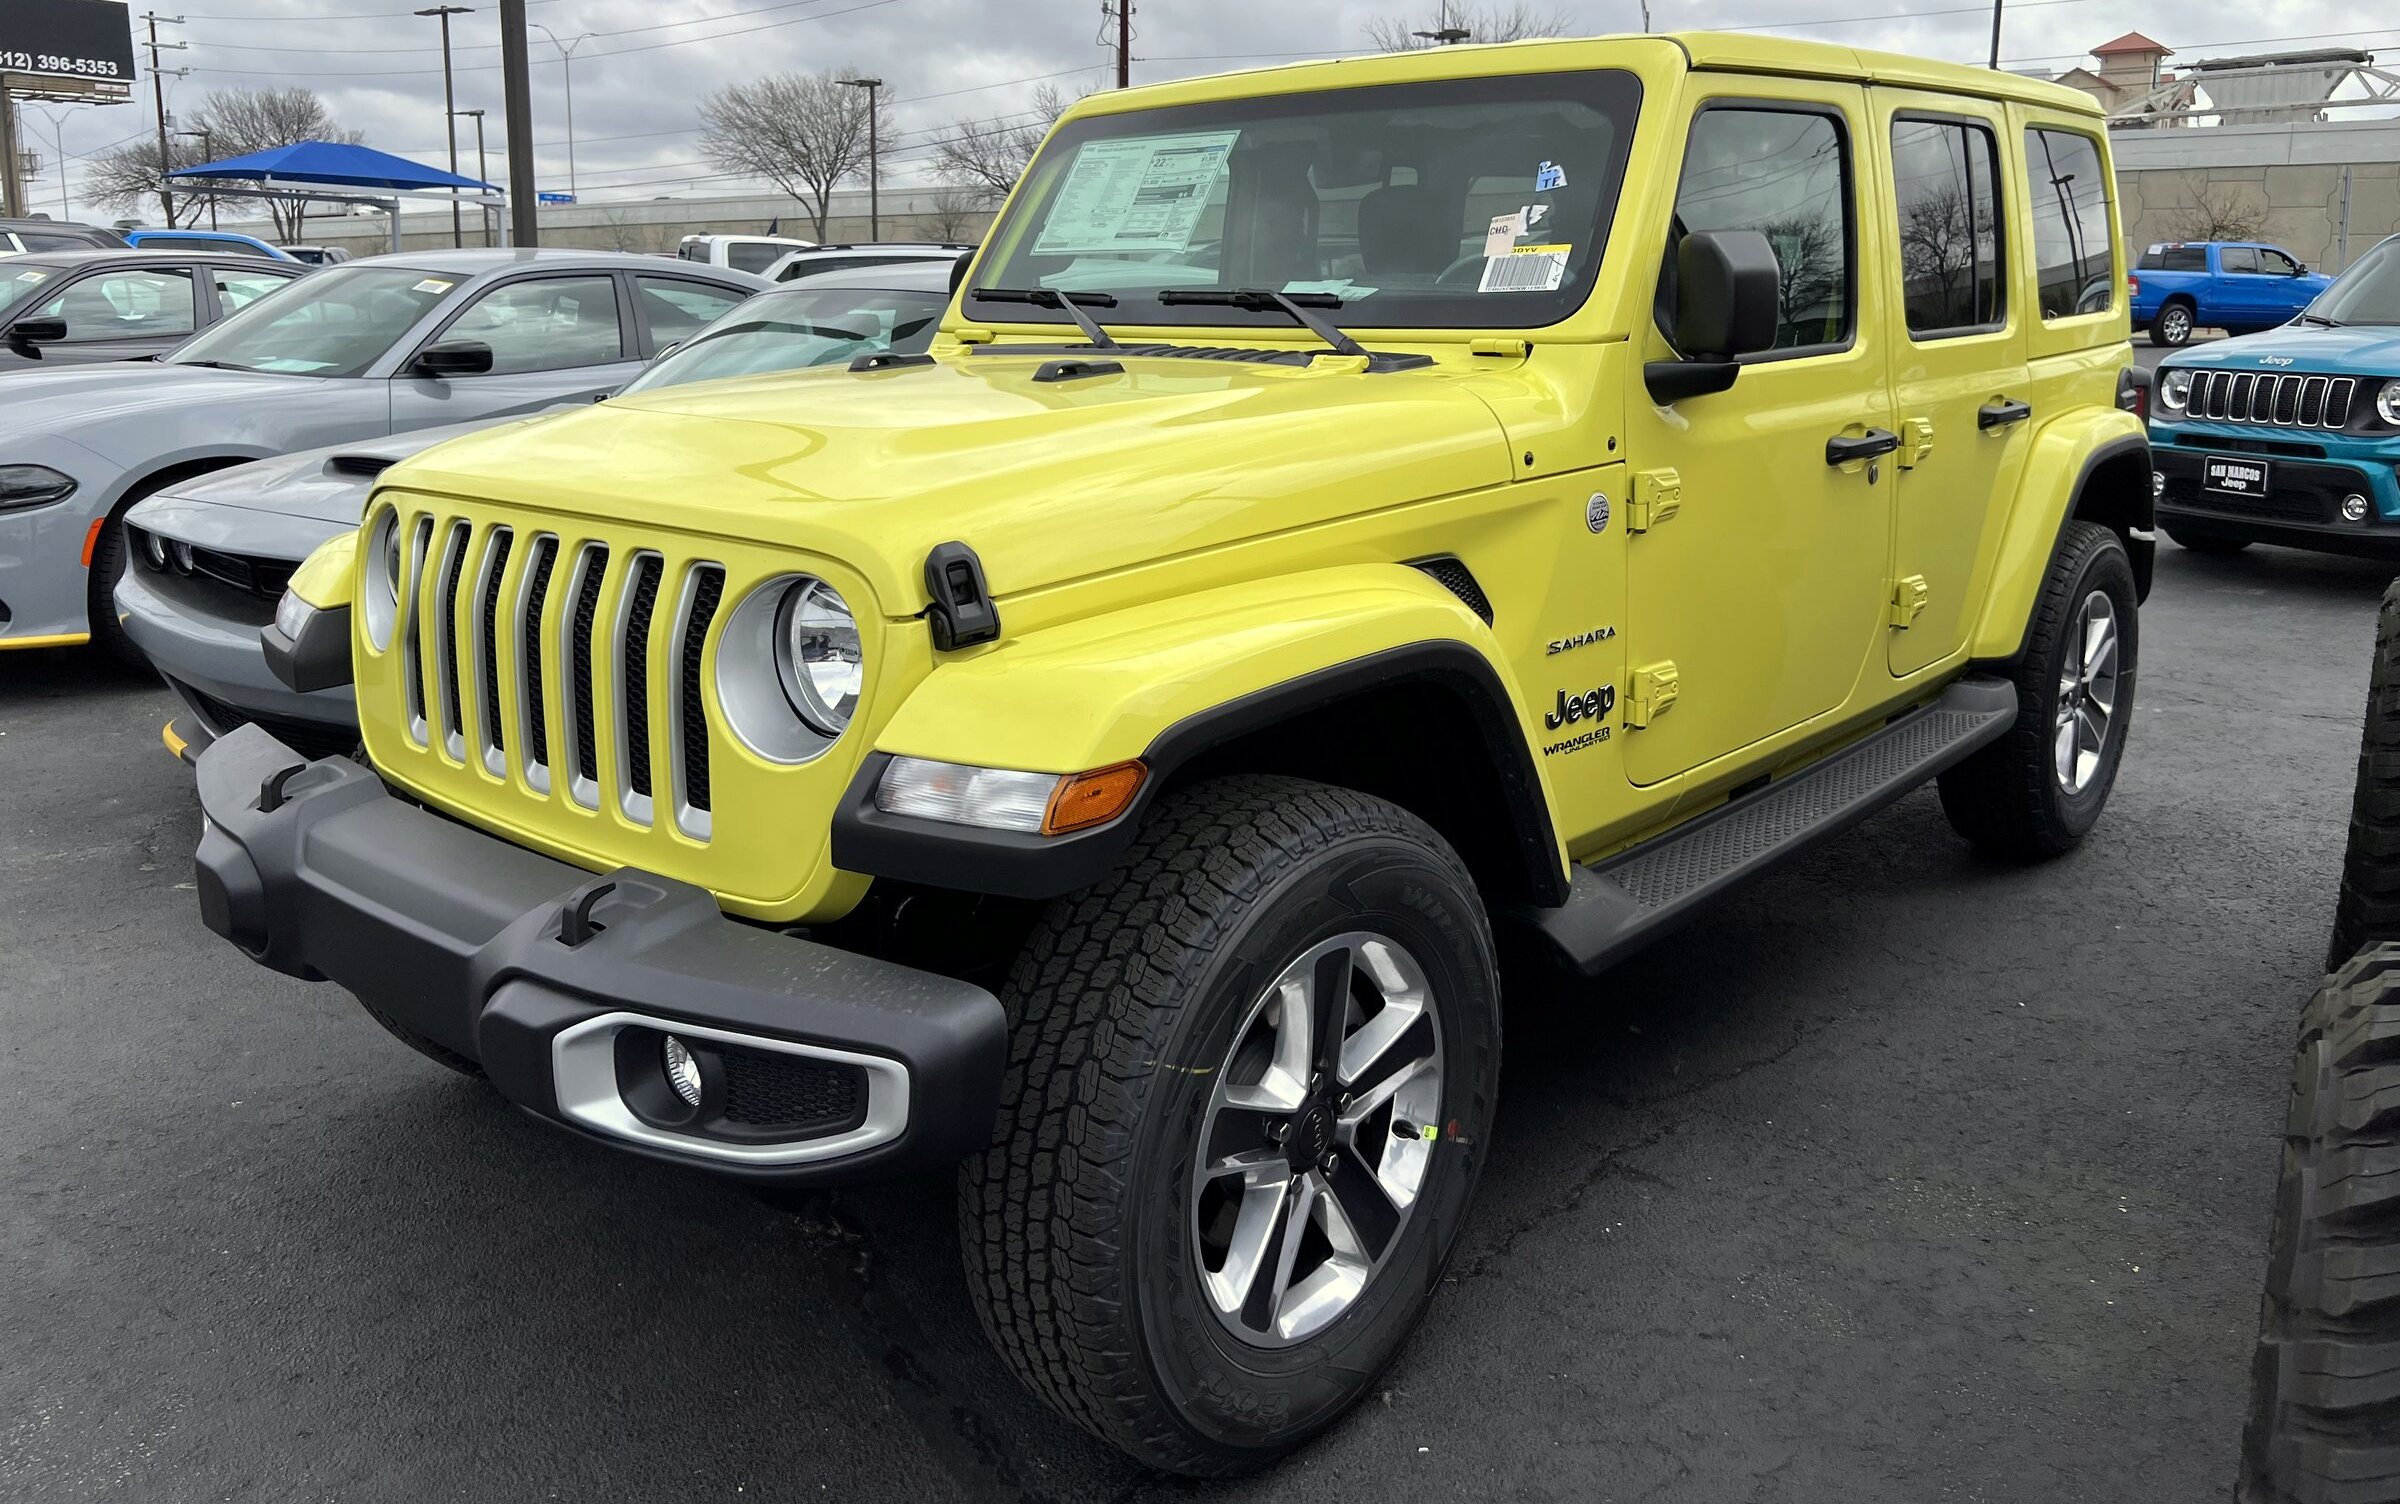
x=373, y=347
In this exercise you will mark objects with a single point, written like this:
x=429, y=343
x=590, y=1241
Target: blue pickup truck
x=2238, y=286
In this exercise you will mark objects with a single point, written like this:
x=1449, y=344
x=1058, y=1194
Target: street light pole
x=566, y=65
x=874, y=164
x=482, y=173
x=443, y=13
x=209, y=153
x=58, y=149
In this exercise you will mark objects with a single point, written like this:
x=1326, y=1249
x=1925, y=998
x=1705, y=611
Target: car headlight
x=818, y=655
x=2174, y=388
x=2387, y=403
x=33, y=486
x=380, y=579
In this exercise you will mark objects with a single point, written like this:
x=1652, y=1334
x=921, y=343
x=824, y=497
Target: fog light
x=683, y=1072
x=2158, y=484
x=2354, y=508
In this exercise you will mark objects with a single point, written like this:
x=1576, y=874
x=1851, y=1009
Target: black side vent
x=1456, y=578
x=579, y=661
x=636, y=650
x=708, y=589
x=537, y=591
x=367, y=466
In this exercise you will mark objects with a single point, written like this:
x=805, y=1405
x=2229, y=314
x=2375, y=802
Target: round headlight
x=2387, y=403
x=818, y=654
x=2174, y=388
x=154, y=548
x=380, y=583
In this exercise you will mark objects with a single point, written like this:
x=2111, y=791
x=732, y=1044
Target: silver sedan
x=371, y=348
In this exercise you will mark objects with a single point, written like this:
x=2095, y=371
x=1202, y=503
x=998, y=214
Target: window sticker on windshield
x=1340, y=287
x=1501, y=238
x=1526, y=268
x=433, y=284
x=1142, y=194
x=1550, y=175
x=1535, y=214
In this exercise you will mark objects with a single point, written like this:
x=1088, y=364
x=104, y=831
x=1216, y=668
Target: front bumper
x=562, y=983
x=2302, y=508
x=212, y=660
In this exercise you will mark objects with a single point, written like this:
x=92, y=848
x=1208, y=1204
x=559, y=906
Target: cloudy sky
x=648, y=62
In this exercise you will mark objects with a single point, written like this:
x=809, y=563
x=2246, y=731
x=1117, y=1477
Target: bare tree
x=241, y=121
x=1808, y=249
x=126, y=179
x=1937, y=245
x=958, y=214
x=803, y=132
x=1481, y=23
x=2217, y=214
x=987, y=157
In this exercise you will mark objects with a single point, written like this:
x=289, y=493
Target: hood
x=2351, y=350
x=320, y=485
x=1046, y=480
x=81, y=401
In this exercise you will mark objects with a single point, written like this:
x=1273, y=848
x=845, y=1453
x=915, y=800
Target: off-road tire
x=2325, y=1386
x=1074, y=1226
x=2208, y=543
x=2006, y=798
x=439, y=1054
x=2368, y=909
x=2170, y=331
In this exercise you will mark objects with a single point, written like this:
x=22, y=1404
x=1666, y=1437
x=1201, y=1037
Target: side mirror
x=455, y=357
x=24, y=334
x=958, y=272
x=1728, y=301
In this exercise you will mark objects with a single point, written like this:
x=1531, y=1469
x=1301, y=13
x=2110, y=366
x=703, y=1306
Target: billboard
x=90, y=41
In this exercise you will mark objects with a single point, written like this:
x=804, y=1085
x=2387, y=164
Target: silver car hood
x=86, y=403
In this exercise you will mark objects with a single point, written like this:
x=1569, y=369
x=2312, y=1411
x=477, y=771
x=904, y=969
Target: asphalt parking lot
x=1904, y=1176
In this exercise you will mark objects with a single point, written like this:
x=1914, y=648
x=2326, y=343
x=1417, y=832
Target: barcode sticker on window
x=1527, y=268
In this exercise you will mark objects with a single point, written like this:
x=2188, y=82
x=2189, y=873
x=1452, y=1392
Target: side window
x=35, y=240
x=751, y=256
x=2074, y=257
x=1946, y=173
x=237, y=289
x=2276, y=264
x=124, y=305
x=2238, y=258
x=1786, y=174
x=2185, y=258
x=545, y=324
x=818, y=266
x=676, y=308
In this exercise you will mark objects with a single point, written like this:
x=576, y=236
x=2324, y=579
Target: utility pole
x=450, y=109
x=874, y=162
x=566, y=64
x=482, y=173
x=158, y=96
x=1996, y=34
x=1120, y=11
x=523, y=196
x=208, y=153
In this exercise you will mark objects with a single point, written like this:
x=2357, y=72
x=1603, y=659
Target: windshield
x=787, y=331
x=2368, y=293
x=331, y=323
x=1465, y=203
x=16, y=283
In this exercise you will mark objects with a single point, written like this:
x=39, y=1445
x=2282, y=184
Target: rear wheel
x=1250, y=1079
x=2173, y=326
x=2208, y=543
x=2325, y=1384
x=2368, y=909
x=108, y=567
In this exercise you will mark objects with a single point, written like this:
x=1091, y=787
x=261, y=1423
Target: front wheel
x=1251, y=1076
x=2039, y=789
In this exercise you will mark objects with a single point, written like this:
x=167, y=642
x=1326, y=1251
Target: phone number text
x=56, y=62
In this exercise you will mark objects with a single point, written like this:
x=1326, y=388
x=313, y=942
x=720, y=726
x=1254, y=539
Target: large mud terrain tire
x=2325, y=1387
x=2368, y=909
x=2038, y=790
x=1251, y=1078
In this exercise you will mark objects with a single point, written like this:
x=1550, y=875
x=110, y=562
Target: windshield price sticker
x=434, y=285
x=1526, y=268
x=1142, y=194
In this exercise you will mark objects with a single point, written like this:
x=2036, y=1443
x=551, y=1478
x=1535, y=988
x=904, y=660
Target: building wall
x=2290, y=178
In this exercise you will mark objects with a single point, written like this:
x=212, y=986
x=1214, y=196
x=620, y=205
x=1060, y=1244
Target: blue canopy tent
x=340, y=172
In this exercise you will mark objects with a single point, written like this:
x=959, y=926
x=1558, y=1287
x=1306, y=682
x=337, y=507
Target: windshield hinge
x=1513, y=347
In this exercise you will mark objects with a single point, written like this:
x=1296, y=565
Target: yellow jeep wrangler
x=1358, y=517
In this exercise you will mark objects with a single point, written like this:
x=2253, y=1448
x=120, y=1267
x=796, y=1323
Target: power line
x=495, y=46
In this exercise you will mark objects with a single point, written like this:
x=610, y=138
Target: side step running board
x=1623, y=902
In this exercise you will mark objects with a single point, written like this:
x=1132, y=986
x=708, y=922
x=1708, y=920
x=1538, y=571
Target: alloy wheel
x=2087, y=694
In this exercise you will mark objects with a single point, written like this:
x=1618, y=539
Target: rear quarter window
x=2074, y=255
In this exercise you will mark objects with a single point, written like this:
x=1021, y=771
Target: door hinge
x=1916, y=442
x=1655, y=686
x=1657, y=496
x=1908, y=601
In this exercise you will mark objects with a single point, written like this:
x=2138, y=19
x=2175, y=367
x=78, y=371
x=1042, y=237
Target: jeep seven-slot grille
x=472, y=655
x=2293, y=399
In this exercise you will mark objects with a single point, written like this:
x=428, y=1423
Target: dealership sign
x=87, y=41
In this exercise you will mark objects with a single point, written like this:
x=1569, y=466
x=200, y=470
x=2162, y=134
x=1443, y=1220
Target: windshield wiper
x=2317, y=318
x=1296, y=304
x=1051, y=297
x=214, y=365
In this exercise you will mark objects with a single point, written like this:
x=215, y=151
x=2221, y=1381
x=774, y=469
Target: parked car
x=211, y=555
x=2238, y=286
x=315, y=255
x=819, y=260
x=20, y=235
x=65, y=308
x=380, y=345
x=205, y=240
x=749, y=253
x=1214, y=696
x=2290, y=436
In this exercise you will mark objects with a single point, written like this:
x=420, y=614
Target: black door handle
x=1841, y=449
x=2002, y=413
